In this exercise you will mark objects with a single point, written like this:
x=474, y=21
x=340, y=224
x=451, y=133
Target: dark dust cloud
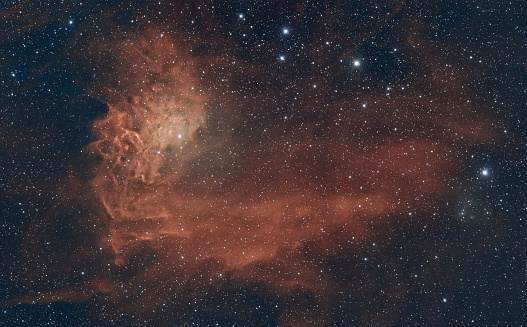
x=263, y=163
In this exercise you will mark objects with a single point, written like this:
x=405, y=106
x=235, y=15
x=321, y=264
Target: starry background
x=265, y=163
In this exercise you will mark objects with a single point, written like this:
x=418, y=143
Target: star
x=356, y=63
x=282, y=58
x=485, y=172
x=285, y=31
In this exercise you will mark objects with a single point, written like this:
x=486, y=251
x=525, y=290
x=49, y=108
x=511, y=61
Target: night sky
x=263, y=163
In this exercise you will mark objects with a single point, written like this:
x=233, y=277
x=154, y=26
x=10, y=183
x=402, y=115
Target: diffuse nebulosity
x=224, y=171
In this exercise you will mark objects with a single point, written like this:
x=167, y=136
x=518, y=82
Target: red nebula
x=195, y=209
x=189, y=197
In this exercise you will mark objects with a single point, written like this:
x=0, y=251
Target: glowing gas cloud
x=147, y=138
x=208, y=181
x=207, y=214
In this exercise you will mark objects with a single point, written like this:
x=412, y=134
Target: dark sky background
x=263, y=163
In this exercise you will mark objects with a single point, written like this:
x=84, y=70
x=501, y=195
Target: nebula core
x=233, y=178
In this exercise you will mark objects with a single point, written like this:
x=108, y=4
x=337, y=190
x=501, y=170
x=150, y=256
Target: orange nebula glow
x=187, y=202
x=197, y=209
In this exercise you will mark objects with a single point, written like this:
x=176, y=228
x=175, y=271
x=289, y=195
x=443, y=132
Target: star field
x=264, y=163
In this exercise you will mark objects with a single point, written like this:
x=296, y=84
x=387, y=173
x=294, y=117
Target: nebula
x=207, y=181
